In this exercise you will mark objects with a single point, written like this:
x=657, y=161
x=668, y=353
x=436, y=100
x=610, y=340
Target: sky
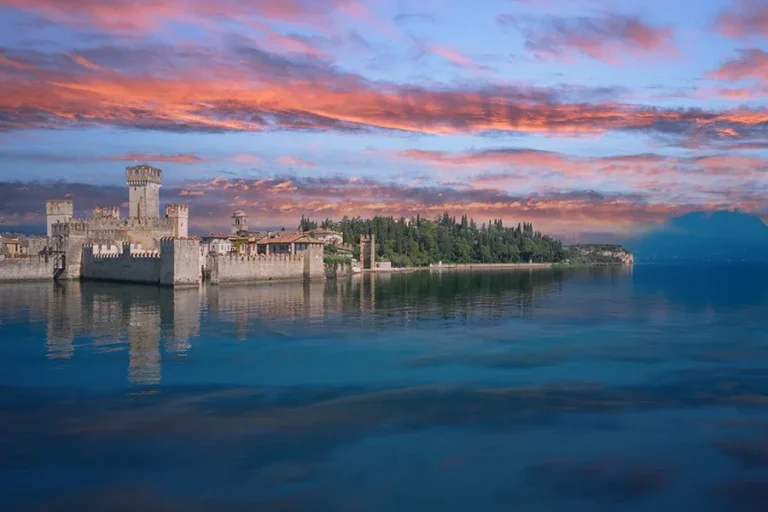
x=593, y=119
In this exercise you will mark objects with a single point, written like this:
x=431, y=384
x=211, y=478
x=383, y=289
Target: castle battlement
x=176, y=208
x=59, y=207
x=143, y=174
x=106, y=212
x=261, y=257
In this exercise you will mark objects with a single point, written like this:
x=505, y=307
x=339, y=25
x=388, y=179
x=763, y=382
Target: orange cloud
x=250, y=90
x=632, y=170
x=143, y=15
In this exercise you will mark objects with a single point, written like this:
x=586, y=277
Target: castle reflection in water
x=153, y=323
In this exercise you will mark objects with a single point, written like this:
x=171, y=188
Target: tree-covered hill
x=420, y=241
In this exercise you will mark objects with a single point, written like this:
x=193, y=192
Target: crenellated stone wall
x=231, y=268
x=145, y=232
x=127, y=265
x=175, y=264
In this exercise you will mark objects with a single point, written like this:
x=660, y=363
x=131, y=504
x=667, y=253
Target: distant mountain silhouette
x=705, y=236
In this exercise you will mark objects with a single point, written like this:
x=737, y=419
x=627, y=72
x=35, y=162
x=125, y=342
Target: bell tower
x=144, y=183
x=239, y=222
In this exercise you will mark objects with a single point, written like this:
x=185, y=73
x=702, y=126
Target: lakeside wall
x=231, y=268
x=26, y=268
x=338, y=270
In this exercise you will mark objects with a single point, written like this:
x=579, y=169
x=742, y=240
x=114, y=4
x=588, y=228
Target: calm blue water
x=592, y=389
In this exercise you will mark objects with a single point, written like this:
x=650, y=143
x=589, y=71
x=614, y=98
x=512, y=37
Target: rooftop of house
x=324, y=232
x=289, y=238
x=10, y=237
x=217, y=236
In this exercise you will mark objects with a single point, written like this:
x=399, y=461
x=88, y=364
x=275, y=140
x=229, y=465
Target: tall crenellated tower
x=179, y=213
x=144, y=183
x=58, y=210
x=239, y=222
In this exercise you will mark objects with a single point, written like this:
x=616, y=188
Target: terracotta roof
x=289, y=238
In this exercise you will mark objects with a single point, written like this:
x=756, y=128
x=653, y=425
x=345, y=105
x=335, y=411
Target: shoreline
x=487, y=266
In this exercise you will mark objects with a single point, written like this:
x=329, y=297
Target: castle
x=143, y=224
x=145, y=247
x=143, y=234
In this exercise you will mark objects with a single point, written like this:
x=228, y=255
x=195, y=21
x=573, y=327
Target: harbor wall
x=26, y=268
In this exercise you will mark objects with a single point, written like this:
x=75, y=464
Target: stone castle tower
x=179, y=215
x=368, y=251
x=239, y=222
x=58, y=211
x=144, y=183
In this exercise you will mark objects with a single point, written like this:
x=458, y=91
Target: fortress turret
x=144, y=183
x=179, y=213
x=58, y=211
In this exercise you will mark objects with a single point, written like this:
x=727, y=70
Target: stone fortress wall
x=176, y=263
x=26, y=268
x=232, y=268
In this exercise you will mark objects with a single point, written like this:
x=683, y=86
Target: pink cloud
x=149, y=157
x=454, y=57
x=294, y=161
x=143, y=15
x=85, y=62
x=744, y=19
x=246, y=158
x=750, y=64
x=607, y=38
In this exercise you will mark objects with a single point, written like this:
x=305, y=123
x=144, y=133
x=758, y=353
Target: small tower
x=239, y=222
x=368, y=252
x=144, y=183
x=58, y=210
x=179, y=213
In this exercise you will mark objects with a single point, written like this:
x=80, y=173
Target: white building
x=218, y=244
x=327, y=236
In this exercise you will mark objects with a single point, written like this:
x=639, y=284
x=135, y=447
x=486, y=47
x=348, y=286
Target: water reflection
x=112, y=316
x=586, y=389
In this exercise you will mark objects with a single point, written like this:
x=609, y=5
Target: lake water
x=591, y=389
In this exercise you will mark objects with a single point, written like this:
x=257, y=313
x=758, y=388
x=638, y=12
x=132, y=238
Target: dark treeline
x=419, y=241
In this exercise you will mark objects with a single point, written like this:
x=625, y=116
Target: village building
x=218, y=243
x=327, y=236
x=11, y=245
x=287, y=243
